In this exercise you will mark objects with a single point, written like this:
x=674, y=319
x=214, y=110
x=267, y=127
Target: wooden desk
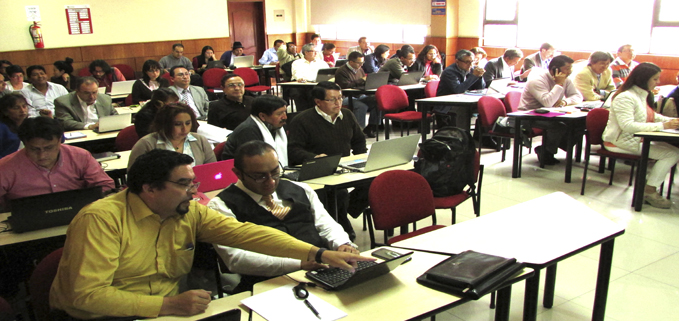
x=394, y=296
x=575, y=122
x=216, y=307
x=540, y=232
x=640, y=182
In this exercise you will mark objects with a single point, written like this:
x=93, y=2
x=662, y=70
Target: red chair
x=84, y=72
x=219, y=149
x=40, y=282
x=251, y=80
x=473, y=192
x=126, y=70
x=595, y=124
x=490, y=109
x=128, y=100
x=398, y=198
x=430, y=88
x=392, y=99
x=212, y=79
x=167, y=76
x=126, y=139
x=512, y=101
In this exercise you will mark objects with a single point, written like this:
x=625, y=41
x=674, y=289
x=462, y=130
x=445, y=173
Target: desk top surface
x=569, y=112
x=92, y=136
x=537, y=231
x=216, y=307
x=7, y=238
x=397, y=294
x=659, y=134
x=338, y=179
x=457, y=98
x=117, y=164
x=128, y=110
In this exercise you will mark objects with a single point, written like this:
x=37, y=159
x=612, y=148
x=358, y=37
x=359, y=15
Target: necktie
x=277, y=210
x=185, y=96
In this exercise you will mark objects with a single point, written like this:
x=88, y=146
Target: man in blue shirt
x=270, y=57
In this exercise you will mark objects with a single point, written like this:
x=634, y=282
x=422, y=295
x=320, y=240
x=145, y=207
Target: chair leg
x=433, y=219
x=492, y=300
x=602, y=164
x=584, y=173
x=454, y=214
x=611, y=166
x=386, y=129
x=669, y=186
x=505, y=144
x=631, y=174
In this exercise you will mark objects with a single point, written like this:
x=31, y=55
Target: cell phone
x=387, y=255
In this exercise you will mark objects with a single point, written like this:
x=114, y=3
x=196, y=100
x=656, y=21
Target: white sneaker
x=656, y=200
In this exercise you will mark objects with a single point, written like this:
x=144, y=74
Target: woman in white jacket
x=631, y=113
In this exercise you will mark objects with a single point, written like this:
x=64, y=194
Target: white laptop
x=114, y=122
x=244, y=61
x=499, y=85
x=386, y=153
x=122, y=87
x=102, y=90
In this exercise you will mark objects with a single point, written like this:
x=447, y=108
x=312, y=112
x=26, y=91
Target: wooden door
x=246, y=24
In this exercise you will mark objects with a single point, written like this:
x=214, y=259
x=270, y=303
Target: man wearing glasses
x=262, y=198
x=125, y=255
x=351, y=75
x=397, y=67
x=193, y=96
x=460, y=77
x=326, y=129
x=232, y=109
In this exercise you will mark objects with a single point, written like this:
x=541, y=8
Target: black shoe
x=549, y=157
x=369, y=131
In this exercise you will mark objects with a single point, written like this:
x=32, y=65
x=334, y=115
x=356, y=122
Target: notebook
x=375, y=80
x=410, y=78
x=215, y=64
x=337, y=279
x=50, y=210
x=314, y=168
x=386, y=153
x=114, y=122
x=214, y=176
x=122, y=87
x=244, y=61
x=325, y=74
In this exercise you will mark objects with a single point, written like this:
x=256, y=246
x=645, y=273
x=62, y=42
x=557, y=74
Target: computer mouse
x=541, y=111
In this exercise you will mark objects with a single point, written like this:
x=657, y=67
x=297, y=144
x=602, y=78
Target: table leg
x=530, y=298
x=569, y=155
x=602, y=281
x=516, y=161
x=504, y=299
x=640, y=182
x=424, y=124
x=331, y=193
x=550, y=281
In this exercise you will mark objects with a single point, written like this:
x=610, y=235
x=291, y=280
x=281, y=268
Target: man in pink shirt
x=47, y=166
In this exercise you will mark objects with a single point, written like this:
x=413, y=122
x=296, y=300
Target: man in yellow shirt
x=124, y=255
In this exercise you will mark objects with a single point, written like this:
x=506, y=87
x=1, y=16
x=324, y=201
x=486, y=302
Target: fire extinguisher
x=36, y=34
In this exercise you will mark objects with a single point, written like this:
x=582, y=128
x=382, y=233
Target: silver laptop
x=244, y=61
x=499, y=85
x=375, y=80
x=386, y=153
x=114, y=122
x=410, y=78
x=102, y=90
x=122, y=87
x=325, y=74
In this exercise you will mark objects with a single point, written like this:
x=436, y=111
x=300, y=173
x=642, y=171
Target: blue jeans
x=362, y=105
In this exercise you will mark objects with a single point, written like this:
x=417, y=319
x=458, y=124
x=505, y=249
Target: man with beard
x=125, y=255
x=267, y=118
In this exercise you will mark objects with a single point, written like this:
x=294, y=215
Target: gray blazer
x=199, y=98
x=201, y=149
x=67, y=109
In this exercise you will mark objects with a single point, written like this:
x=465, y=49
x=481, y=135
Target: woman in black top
x=151, y=80
x=374, y=61
x=428, y=61
x=63, y=74
x=200, y=62
x=145, y=116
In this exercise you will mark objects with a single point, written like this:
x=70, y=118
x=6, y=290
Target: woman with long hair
x=428, y=61
x=631, y=113
x=143, y=88
x=145, y=116
x=13, y=112
x=200, y=62
x=63, y=74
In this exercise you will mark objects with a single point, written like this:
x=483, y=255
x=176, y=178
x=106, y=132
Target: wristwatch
x=319, y=255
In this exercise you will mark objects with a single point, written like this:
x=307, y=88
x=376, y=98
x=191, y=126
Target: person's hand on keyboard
x=311, y=266
x=344, y=260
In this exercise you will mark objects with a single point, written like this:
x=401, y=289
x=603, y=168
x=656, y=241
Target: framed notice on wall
x=79, y=20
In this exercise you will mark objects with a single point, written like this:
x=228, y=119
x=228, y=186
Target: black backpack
x=447, y=161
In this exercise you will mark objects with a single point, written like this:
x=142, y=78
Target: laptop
x=340, y=62
x=325, y=74
x=49, y=210
x=122, y=87
x=114, y=122
x=230, y=315
x=314, y=168
x=215, y=64
x=244, y=61
x=338, y=279
x=375, y=80
x=410, y=78
x=102, y=90
x=215, y=176
x=386, y=153
x=499, y=85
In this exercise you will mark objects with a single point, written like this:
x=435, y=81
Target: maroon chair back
x=126, y=139
x=249, y=76
x=391, y=98
x=596, y=123
x=219, y=149
x=212, y=78
x=194, y=62
x=126, y=70
x=167, y=76
x=128, y=100
x=490, y=108
x=400, y=197
x=40, y=282
x=84, y=72
x=512, y=101
x=430, y=88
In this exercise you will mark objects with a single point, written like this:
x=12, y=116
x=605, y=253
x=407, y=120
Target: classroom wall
x=470, y=18
x=115, y=22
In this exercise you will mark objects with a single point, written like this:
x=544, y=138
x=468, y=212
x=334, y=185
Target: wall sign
x=438, y=11
x=79, y=20
x=33, y=13
x=438, y=3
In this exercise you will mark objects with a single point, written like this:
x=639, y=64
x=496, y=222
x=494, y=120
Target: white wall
x=115, y=21
x=280, y=27
x=470, y=18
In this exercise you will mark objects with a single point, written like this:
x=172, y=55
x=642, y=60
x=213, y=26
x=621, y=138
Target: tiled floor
x=643, y=285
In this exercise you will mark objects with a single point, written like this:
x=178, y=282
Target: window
x=649, y=25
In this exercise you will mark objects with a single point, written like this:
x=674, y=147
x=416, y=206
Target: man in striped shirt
x=623, y=64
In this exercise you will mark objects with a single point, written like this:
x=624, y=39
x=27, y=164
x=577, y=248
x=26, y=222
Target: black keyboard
x=337, y=276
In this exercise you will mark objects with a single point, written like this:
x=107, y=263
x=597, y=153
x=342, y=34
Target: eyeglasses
x=189, y=186
x=261, y=178
x=465, y=61
x=334, y=100
x=237, y=85
x=182, y=74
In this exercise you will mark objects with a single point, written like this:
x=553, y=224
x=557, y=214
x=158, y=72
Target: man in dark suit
x=194, y=96
x=540, y=59
x=503, y=67
x=236, y=51
x=82, y=108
